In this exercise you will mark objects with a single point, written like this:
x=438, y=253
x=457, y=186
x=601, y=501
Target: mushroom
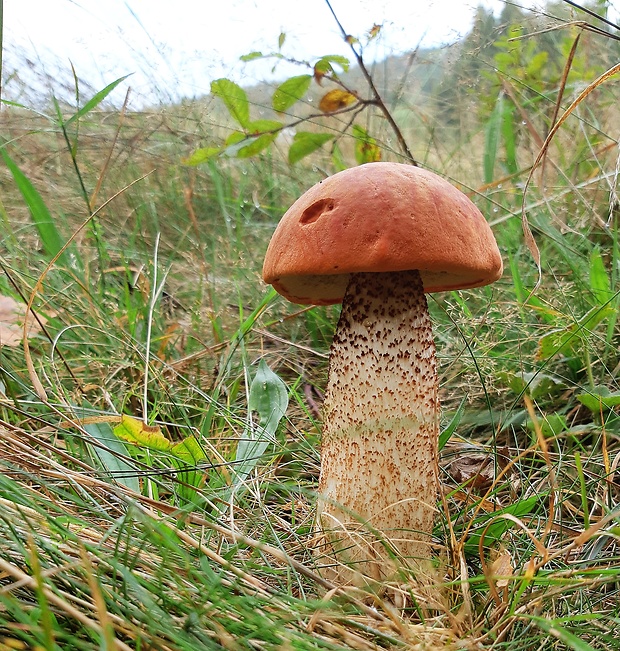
x=376, y=238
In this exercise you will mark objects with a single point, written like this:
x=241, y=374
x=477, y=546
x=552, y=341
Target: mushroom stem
x=380, y=428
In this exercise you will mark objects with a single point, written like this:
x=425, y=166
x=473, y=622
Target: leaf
x=474, y=470
x=563, y=341
x=536, y=384
x=336, y=99
x=43, y=221
x=290, y=91
x=445, y=435
x=366, y=149
x=234, y=98
x=304, y=143
x=251, y=56
x=135, y=431
x=240, y=145
x=256, y=145
x=599, y=398
x=110, y=455
x=201, y=155
x=324, y=66
x=188, y=450
x=551, y=425
x=497, y=528
x=185, y=456
x=374, y=31
x=269, y=399
x=258, y=127
x=95, y=100
x=281, y=39
x=502, y=568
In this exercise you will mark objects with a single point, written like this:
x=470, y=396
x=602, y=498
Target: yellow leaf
x=374, y=31
x=336, y=99
x=135, y=431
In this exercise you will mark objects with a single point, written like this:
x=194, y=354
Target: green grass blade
x=509, y=138
x=95, y=100
x=566, y=637
x=43, y=221
x=491, y=139
x=445, y=435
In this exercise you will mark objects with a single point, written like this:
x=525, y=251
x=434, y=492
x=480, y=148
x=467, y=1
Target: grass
x=134, y=516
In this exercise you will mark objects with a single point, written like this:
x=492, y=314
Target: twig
x=377, y=99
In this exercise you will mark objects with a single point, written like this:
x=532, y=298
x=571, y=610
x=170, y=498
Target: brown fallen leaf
x=478, y=470
x=12, y=316
x=502, y=568
x=474, y=470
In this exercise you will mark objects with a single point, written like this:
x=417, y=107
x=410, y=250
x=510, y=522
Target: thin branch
x=377, y=99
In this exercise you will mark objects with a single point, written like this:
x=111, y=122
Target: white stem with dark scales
x=380, y=428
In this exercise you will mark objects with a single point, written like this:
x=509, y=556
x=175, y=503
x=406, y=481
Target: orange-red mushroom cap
x=380, y=217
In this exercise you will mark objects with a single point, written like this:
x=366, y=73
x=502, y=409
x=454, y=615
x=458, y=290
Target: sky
x=175, y=48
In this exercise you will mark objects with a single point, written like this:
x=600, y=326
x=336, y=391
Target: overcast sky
x=175, y=48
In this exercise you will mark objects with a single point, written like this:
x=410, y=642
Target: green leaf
x=491, y=138
x=135, y=431
x=551, y=627
x=185, y=456
x=251, y=56
x=43, y=221
x=269, y=399
x=535, y=384
x=234, y=98
x=202, y=155
x=95, y=100
x=366, y=149
x=324, y=63
x=110, y=452
x=599, y=398
x=445, y=435
x=304, y=143
x=599, y=278
x=240, y=145
x=290, y=91
x=281, y=40
x=500, y=525
x=259, y=127
x=550, y=425
x=235, y=138
x=256, y=145
x=564, y=341
x=188, y=450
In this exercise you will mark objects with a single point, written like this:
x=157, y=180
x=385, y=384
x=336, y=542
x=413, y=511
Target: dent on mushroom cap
x=315, y=211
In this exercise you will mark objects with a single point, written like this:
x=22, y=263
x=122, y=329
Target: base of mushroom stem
x=350, y=554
